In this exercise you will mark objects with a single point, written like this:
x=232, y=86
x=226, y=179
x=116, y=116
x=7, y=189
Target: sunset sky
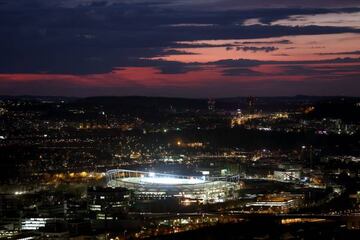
x=179, y=48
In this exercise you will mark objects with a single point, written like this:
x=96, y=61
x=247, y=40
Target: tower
x=250, y=104
x=211, y=105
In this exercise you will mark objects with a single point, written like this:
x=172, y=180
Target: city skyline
x=179, y=119
x=180, y=48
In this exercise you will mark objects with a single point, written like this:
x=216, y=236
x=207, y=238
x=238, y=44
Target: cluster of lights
x=19, y=192
x=153, y=179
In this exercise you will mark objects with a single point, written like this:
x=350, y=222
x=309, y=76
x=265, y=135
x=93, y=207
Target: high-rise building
x=211, y=105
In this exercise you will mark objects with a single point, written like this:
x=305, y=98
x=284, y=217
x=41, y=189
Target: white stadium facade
x=150, y=185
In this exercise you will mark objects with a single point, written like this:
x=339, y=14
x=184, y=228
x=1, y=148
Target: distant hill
x=141, y=104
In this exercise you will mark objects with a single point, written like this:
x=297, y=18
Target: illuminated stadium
x=150, y=185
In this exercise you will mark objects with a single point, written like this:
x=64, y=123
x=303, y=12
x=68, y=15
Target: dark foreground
x=267, y=229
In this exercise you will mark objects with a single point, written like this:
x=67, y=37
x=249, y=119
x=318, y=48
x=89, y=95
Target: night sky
x=180, y=48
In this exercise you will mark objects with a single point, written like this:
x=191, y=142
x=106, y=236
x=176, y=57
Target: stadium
x=150, y=185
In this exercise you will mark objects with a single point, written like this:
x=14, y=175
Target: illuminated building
x=107, y=203
x=287, y=175
x=107, y=207
x=34, y=223
x=149, y=185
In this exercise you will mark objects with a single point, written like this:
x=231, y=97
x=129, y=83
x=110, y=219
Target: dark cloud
x=241, y=72
x=342, y=53
x=257, y=49
x=248, y=62
x=176, y=52
x=255, y=4
x=285, y=41
x=82, y=37
x=320, y=70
